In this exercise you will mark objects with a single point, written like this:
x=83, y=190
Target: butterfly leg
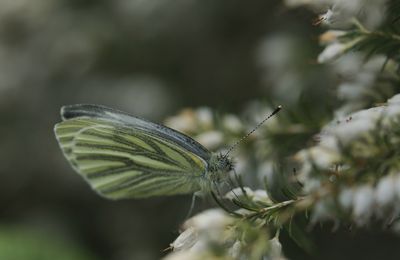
x=196, y=194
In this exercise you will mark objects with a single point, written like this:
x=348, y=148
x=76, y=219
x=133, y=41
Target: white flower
x=234, y=251
x=257, y=195
x=328, y=141
x=330, y=36
x=363, y=202
x=210, y=224
x=184, y=122
x=385, y=191
x=208, y=228
x=311, y=185
x=202, y=244
x=348, y=65
x=205, y=117
x=351, y=90
x=320, y=156
x=261, y=196
x=275, y=248
x=185, y=240
x=346, y=198
x=189, y=120
x=351, y=127
x=331, y=52
x=358, y=80
x=210, y=139
x=232, y=123
x=321, y=211
x=392, y=112
x=266, y=171
x=395, y=100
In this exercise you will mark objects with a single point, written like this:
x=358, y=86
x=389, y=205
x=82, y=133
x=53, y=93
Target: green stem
x=364, y=30
x=361, y=27
x=267, y=209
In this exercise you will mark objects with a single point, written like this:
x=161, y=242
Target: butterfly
x=122, y=156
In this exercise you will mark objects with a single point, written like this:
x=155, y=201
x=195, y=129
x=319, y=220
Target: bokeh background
x=152, y=59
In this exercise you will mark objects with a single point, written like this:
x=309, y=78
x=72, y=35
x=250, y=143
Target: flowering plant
x=296, y=173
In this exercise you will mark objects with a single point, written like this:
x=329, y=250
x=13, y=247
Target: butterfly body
x=122, y=156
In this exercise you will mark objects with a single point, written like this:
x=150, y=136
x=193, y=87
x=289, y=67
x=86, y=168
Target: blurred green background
x=150, y=58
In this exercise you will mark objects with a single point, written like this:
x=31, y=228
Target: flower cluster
x=339, y=13
x=354, y=168
x=203, y=125
x=349, y=171
x=342, y=178
x=363, y=83
x=213, y=234
x=362, y=48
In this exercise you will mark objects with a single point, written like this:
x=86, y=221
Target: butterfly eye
x=225, y=163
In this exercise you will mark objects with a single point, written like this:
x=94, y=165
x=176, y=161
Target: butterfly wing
x=122, y=156
x=119, y=117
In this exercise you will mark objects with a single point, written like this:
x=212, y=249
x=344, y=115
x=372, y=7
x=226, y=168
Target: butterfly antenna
x=253, y=130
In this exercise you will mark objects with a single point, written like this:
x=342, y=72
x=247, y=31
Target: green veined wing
x=122, y=156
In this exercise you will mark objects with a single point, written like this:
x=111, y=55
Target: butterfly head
x=225, y=163
x=219, y=166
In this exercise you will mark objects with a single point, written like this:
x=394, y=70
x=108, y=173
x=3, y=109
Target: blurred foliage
x=22, y=243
